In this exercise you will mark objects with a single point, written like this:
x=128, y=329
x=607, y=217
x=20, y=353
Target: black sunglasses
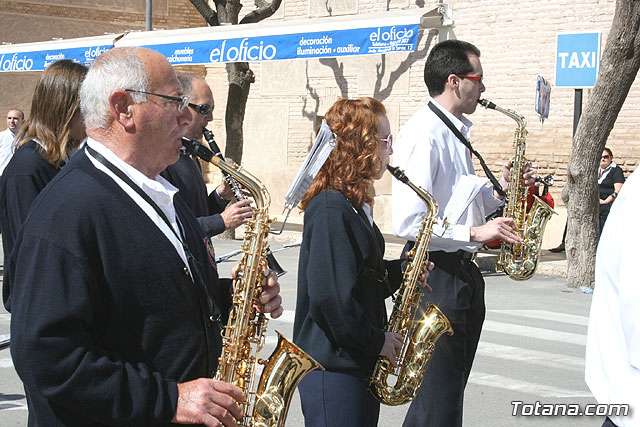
x=203, y=109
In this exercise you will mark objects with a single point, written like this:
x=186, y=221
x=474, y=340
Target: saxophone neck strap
x=214, y=311
x=457, y=133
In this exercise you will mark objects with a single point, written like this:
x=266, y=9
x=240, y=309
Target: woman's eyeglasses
x=388, y=140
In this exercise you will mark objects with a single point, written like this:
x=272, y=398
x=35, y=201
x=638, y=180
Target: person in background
x=214, y=212
x=610, y=180
x=15, y=119
x=45, y=142
x=612, y=361
x=117, y=307
x=342, y=277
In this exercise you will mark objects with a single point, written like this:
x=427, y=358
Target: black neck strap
x=456, y=132
x=214, y=312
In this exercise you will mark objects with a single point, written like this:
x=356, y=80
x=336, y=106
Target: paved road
x=532, y=349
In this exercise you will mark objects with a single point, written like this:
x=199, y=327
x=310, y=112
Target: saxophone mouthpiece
x=487, y=104
x=208, y=135
x=398, y=174
x=196, y=149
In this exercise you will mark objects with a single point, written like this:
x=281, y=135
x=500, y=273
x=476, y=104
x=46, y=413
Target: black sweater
x=105, y=319
x=26, y=174
x=340, y=311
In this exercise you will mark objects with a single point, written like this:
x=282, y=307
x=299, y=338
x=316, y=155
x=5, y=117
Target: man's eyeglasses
x=182, y=101
x=474, y=78
x=388, y=140
x=606, y=156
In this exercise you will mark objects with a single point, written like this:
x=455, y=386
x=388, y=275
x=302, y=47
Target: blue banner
x=39, y=60
x=362, y=41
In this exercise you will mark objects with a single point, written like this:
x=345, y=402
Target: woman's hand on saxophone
x=425, y=275
x=391, y=348
x=209, y=402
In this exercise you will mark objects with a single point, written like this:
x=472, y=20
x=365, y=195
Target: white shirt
x=612, y=362
x=6, y=148
x=160, y=190
x=435, y=159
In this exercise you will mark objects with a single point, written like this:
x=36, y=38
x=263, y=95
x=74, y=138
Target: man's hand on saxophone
x=498, y=228
x=209, y=402
x=529, y=176
x=270, y=299
x=237, y=213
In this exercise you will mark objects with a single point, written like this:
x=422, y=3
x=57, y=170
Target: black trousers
x=458, y=290
x=336, y=399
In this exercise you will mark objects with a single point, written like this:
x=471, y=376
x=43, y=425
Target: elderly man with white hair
x=117, y=308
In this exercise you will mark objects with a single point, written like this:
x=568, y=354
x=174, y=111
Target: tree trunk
x=618, y=67
x=240, y=79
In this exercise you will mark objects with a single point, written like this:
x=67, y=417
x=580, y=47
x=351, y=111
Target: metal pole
x=577, y=109
x=148, y=16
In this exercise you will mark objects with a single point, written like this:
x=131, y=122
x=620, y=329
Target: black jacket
x=186, y=175
x=105, y=318
x=340, y=310
x=26, y=174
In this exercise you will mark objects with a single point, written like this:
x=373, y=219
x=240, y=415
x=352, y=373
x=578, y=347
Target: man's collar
x=137, y=176
x=458, y=123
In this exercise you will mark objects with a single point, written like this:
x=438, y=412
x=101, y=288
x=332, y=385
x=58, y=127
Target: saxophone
x=243, y=337
x=519, y=261
x=418, y=336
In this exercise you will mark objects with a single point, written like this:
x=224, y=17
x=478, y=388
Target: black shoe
x=558, y=249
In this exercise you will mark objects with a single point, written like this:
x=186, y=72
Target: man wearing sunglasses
x=431, y=150
x=213, y=211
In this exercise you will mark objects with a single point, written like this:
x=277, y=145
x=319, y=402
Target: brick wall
x=517, y=40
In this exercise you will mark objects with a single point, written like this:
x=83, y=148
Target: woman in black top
x=610, y=180
x=342, y=278
x=52, y=133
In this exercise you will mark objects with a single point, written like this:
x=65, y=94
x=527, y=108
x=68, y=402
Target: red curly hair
x=354, y=161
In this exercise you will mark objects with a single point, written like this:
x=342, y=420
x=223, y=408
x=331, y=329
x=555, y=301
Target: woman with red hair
x=342, y=278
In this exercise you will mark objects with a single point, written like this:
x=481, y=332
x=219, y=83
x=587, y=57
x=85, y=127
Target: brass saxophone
x=519, y=261
x=243, y=337
x=419, y=336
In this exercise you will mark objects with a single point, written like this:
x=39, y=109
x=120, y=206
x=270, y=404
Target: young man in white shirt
x=434, y=158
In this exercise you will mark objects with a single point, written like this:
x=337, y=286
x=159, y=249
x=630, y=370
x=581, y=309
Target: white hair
x=118, y=68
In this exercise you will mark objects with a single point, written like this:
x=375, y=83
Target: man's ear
x=121, y=104
x=453, y=81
